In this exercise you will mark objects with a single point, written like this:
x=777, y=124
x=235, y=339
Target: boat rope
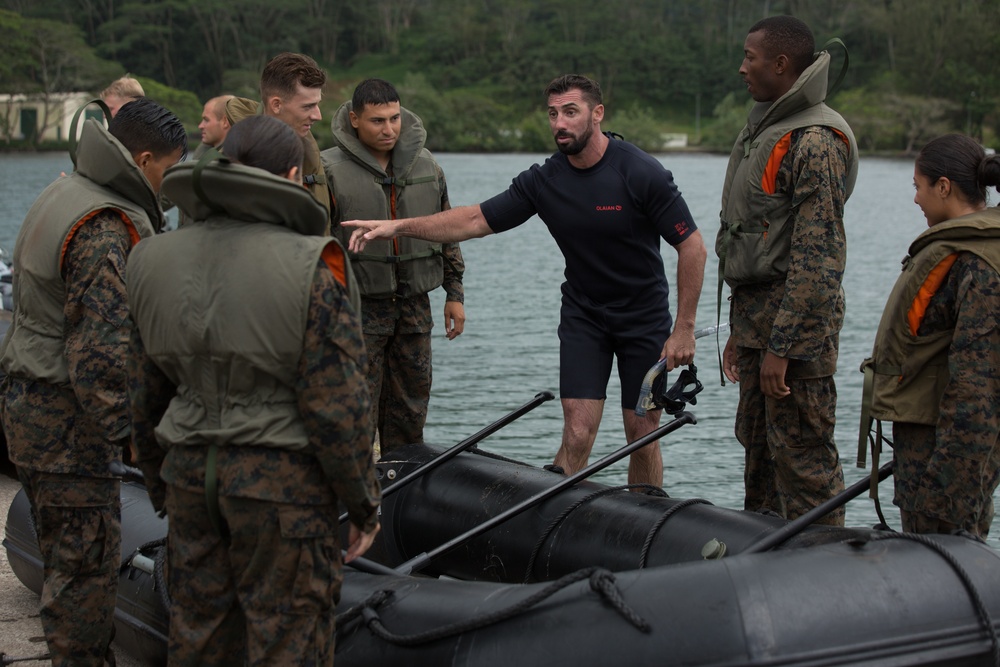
x=977, y=600
x=644, y=554
x=651, y=490
x=602, y=582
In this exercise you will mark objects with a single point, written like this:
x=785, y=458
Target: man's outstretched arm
x=451, y=226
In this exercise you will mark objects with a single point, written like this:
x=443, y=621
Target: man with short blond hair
x=121, y=92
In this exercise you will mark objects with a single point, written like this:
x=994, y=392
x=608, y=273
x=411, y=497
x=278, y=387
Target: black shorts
x=590, y=335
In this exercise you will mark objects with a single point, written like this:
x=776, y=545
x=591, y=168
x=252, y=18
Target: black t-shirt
x=607, y=220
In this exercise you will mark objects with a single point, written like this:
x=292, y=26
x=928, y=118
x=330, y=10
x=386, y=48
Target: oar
x=421, y=561
x=796, y=526
x=469, y=442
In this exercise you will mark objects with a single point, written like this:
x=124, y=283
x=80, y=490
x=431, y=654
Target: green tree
x=46, y=58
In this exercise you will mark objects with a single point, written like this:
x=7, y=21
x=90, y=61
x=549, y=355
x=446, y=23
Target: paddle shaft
x=796, y=526
x=421, y=561
x=468, y=443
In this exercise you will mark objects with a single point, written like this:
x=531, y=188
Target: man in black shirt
x=606, y=204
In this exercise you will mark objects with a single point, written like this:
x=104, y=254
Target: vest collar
x=809, y=90
x=412, y=137
x=103, y=160
x=244, y=193
x=981, y=224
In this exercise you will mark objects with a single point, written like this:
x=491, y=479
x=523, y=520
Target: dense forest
x=474, y=69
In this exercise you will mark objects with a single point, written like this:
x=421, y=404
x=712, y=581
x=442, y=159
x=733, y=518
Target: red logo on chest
x=613, y=207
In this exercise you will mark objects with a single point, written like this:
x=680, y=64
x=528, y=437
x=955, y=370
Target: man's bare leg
x=645, y=466
x=581, y=419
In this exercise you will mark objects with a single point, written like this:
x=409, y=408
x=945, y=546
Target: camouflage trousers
x=264, y=594
x=963, y=499
x=792, y=462
x=399, y=379
x=78, y=522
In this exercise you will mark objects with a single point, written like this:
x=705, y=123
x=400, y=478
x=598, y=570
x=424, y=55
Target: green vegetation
x=474, y=69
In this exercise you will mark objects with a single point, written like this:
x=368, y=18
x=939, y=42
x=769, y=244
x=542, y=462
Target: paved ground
x=20, y=630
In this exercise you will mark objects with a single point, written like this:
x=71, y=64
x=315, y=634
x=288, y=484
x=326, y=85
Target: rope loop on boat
x=644, y=554
x=651, y=490
x=977, y=600
x=601, y=581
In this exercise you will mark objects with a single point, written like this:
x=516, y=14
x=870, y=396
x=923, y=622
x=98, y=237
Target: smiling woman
x=942, y=313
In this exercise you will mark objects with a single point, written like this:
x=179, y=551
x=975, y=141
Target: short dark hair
x=373, y=91
x=590, y=89
x=266, y=143
x=284, y=72
x=787, y=35
x=144, y=125
x=963, y=161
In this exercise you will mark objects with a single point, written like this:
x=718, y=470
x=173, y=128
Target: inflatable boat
x=487, y=561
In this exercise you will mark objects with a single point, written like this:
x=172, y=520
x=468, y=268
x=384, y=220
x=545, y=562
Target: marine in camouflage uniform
x=258, y=582
x=64, y=408
x=947, y=471
x=395, y=306
x=946, y=474
x=783, y=252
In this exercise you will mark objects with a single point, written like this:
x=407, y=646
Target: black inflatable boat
x=590, y=575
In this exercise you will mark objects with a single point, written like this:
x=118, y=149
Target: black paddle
x=421, y=561
x=796, y=526
x=468, y=443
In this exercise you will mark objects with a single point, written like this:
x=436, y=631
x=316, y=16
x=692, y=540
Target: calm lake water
x=509, y=351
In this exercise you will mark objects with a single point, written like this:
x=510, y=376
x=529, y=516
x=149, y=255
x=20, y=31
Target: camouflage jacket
x=782, y=316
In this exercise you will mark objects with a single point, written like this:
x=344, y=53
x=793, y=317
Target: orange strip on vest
x=769, y=180
x=918, y=308
x=333, y=257
x=132, y=233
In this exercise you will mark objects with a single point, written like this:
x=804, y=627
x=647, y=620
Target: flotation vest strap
x=75, y=123
x=843, y=69
x=403, y=182
x=212, y=489
x=211, y=154
x=314, y=179
x=395, y=259
x=870, y=369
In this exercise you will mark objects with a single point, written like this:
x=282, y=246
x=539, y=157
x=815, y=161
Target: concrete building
x=40, y=117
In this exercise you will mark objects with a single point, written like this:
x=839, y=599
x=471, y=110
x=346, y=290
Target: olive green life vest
x=907, y=374
x=363, y=190
x=106, y=177
x=233, y=353
x=754, y=239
